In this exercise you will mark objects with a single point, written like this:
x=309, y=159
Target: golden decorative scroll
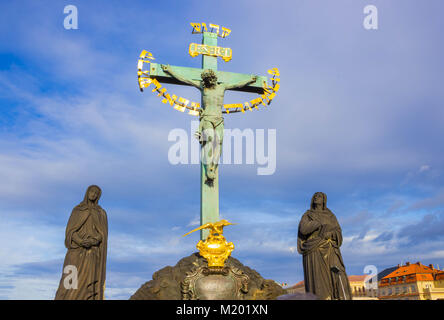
x=195, y=49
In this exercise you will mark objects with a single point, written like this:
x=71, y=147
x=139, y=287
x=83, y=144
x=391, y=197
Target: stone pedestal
x=191, y=279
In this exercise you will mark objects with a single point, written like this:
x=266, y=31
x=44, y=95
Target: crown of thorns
x=208, y=74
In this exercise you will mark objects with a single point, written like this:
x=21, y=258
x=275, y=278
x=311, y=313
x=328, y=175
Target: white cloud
x=194, y=222
x=29, y=241
x=32, y=288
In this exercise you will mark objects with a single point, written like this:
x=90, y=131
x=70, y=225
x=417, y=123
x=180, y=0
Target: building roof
x=410, y=272
x=357, y=278
x=385, y=272
x=411, y=268
x=439, y=275
x=297, y=285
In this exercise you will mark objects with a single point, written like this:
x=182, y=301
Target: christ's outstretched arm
x=168, y=69
x=241, y=84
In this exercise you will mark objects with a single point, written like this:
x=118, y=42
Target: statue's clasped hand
x=328, y=235
x=87, y=243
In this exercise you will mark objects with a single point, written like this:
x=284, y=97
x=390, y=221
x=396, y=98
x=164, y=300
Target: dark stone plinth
x=191, y=279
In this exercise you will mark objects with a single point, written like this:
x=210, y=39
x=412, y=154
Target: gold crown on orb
x=215, y=249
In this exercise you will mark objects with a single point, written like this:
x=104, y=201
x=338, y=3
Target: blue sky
x=359, y=116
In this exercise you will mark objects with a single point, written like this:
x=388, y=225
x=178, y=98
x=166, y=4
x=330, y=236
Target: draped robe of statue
x=319, y=239
x=87, y=221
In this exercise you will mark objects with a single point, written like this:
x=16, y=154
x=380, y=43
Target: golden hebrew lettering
x=196, y=27
x=145, y=80
x=157, y=85
x=274, y=71
x=225, y=32
x=215, y=26
x=184, y=102
x=162, y=92
x=202, y=27
x=181, y=108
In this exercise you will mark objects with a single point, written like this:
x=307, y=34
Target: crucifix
x=212, y=85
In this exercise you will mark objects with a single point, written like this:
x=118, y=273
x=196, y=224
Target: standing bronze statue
x=84, y=269
x=319, y=239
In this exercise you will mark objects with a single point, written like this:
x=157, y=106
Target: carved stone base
x=203, y=283
x=191, y=279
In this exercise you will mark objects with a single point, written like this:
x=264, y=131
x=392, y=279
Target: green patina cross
x=212, y=85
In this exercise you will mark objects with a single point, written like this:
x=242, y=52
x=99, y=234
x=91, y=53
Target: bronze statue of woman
x=84, y=269
x=319, y=239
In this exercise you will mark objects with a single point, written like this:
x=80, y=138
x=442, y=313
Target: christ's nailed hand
x=165, y=67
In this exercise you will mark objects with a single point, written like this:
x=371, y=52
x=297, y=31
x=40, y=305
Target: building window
x=413, y=288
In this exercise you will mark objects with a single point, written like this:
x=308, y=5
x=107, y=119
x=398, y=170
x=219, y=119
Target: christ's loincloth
x=210, y=121
x=214, y=120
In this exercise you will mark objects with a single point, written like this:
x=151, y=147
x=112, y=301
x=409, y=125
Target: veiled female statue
x=319, y=239
x=86, y=240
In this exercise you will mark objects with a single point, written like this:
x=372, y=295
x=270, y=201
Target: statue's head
x=93, y=194
x=209, y=78
x=319, y=201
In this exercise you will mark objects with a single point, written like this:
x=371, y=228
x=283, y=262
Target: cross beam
x=194, y=74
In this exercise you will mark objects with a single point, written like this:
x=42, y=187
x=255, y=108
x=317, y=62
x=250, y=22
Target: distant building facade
x=412, y=281
x=360, y=289
x=357, y=284
x=297, y=288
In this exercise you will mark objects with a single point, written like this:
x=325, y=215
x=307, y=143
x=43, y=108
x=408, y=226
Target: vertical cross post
x=209, y=192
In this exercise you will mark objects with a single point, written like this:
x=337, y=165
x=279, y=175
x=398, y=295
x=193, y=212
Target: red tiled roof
x=356, y=278
x=297, y=285
x=410, y=272
x=410, y=269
